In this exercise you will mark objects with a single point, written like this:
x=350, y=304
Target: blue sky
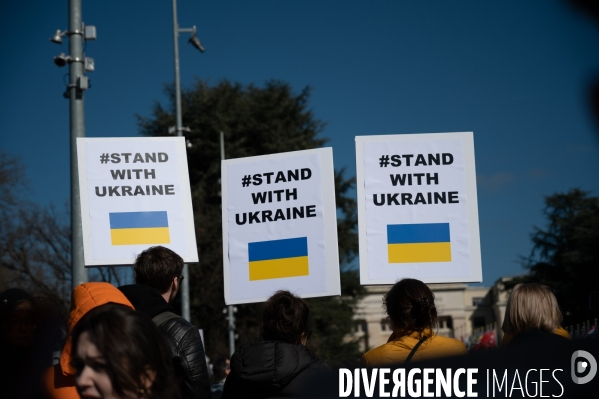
x=517, y=73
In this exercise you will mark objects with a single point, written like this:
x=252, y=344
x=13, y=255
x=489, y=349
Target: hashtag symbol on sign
x=384, y=161
x=245, y=180
x=104, y=158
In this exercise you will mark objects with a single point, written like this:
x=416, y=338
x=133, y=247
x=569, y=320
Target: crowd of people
x=127, y=342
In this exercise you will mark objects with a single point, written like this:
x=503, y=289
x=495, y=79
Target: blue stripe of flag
x=417, y=233
x=278, y=249
x=132, y=220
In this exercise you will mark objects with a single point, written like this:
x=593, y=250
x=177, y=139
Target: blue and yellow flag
x=278, y=258
x=134, y=228
x=412, y=243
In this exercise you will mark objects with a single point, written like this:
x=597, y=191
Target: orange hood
x=86, y=297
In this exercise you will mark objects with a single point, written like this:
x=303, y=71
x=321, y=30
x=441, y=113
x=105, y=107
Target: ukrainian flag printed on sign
x=278, y=258
x=412, y=243
x=134, y=228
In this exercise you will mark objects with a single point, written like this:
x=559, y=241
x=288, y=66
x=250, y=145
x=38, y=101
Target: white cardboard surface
x=96, y=178
x=321, y=230
x=374, y=181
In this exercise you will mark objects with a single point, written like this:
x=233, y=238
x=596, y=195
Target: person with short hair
x=120, y=354
x=160, y=268
x=532, y=314
x=410, y=304
x=281, y=364
x=158, y=278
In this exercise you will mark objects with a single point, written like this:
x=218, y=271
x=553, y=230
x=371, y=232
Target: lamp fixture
x=57, y=38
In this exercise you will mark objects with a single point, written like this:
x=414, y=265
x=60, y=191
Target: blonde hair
x=531, y=306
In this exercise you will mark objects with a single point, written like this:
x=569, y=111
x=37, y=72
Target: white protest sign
x=279, y=226
x=417, y=208
x=134, y=194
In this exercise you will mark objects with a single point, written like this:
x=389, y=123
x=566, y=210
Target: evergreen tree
x=255, y=121
x=565, y=255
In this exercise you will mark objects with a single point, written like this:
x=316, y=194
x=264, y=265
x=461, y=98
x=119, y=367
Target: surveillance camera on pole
x=61, y=60
x=77, y=33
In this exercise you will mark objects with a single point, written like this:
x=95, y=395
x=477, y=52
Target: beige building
x=461, y=310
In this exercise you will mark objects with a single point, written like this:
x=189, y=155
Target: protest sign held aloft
x=417, y=208
x=134, y=194
x=279, y=226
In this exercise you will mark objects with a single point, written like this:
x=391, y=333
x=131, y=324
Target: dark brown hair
x=286, y=317
x=157, y=267
x=131, y=345
x=410, y=305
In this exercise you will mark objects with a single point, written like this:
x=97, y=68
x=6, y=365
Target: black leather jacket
x=183, y=339
x=189, y=359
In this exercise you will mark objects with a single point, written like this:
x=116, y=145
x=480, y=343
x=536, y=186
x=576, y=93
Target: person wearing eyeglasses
x=158, y=278
x=280, y=366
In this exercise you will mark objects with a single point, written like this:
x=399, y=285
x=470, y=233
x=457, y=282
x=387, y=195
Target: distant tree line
x=565, y=253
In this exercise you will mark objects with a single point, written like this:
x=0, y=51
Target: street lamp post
x=179, y=129
x=230, y=309
x=78, y=84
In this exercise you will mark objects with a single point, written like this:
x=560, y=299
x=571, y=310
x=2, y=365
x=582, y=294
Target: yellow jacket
x=396, y=350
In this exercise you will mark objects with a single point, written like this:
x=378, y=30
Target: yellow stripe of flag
x=279, y=268
x=150, y=235
x=420, y=252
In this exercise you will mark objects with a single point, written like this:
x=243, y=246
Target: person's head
x=118, y=354
x=159, y=268
x=531, y=306
x=410, y=305
x=17, y=318
x=286, y=318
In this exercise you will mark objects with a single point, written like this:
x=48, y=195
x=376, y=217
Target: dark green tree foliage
x=255, y=121
x=565, y=255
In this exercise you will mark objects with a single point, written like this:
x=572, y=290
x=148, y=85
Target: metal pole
x=231, y=317
x=77, y=126
x=222, y=146
x=231, y=331
x=179, y=125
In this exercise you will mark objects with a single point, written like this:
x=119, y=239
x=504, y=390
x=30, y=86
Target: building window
x=385, y=326
x=360, y=326
x=477, y=301
x=446, y=322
